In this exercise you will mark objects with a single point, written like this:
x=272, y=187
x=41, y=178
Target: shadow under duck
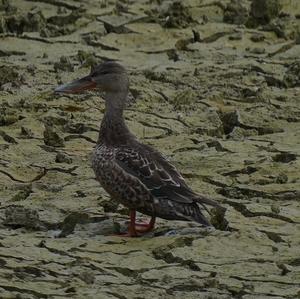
x=133, y=173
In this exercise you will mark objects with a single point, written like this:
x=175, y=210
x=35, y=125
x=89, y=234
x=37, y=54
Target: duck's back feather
x=160, y=177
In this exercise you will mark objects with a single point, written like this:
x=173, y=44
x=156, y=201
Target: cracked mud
x=214, y=86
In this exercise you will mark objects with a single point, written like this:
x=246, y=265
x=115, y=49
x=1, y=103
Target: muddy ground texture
x=215, y=86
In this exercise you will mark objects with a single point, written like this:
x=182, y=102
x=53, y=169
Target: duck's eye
x=100, y=73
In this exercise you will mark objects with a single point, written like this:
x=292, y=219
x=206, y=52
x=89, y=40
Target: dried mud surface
x=215, y=86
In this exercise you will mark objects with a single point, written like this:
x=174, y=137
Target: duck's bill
x=76, y=86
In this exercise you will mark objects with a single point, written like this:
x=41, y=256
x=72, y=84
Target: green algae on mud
x=225, y=114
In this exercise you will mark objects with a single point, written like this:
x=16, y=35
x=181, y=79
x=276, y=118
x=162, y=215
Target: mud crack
x=164, y=253
x=247, y=213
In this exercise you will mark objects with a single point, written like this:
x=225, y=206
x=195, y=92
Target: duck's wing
x=158, y=175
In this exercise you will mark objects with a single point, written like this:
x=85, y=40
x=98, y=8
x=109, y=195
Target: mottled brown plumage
x=133, y=173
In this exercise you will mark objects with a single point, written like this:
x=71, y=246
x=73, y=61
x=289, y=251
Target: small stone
x=109, y=206
x=236, y=36
x=256, y=37
x=103, y=4
x=80, y=193
x=85, y=58
x=61, y=10
x=292, y=75
x=26, y=132
x=263, y=11
x=63, y=158
x=120, y=8
x=31, y=68
x=285, y=269
x=70, y=290
x=235, y=13
x=8, y=74
x=275, y=208
x=18, y=216
x=6, y=120
x=7, y=137
x=196, y=36
x=257, y=50
x=282, y=178
x=87, y=276
x=51, y=138
x=278, y=27
x=23, y=193
x=176, y=15
x=239, y=133
x=64, y=64
x=75, y=128
x=8, y=87
x=184, y=100
x=173, y=55
x=71, y=221
x=196, y=72
x=230, y=120
x=284, y=157
x=7, y=7
x=218, y=219
x=155, y=75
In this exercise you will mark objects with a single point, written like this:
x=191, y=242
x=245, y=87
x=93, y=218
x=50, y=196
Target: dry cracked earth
x=215, y=86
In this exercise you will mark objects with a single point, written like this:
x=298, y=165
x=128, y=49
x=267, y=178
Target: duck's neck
x=113, y=130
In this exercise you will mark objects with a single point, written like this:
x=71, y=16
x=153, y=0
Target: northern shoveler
x=133, y=173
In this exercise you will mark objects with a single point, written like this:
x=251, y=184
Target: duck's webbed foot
x=138, y=229
x=145, y=227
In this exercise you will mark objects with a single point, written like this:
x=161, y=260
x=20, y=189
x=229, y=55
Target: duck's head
x=108, y=76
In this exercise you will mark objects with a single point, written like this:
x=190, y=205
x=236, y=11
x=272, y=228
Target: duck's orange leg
x=135, y=229
x=131, y=228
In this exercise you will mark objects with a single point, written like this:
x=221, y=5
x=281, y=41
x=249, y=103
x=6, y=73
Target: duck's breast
x=119, y=184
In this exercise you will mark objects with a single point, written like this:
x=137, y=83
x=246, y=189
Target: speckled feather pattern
x=132, y=176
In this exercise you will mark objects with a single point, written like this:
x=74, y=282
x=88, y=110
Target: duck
x=133, y=173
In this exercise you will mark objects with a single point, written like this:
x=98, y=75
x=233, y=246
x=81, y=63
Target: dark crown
x=108, y=67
